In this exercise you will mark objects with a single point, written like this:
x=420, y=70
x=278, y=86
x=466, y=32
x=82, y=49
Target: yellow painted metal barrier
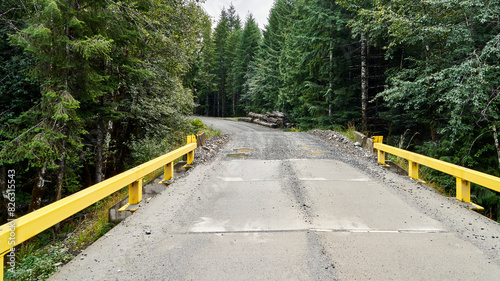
x=25, y=227
x=464, y=176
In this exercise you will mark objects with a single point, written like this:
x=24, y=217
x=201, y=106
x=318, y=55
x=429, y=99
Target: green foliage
x=98, y=76
x=445, y=80
x=97, y=46
x=39, y=265
x=151, y=147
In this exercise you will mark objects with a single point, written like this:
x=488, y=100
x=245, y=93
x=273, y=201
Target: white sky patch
x=258, y=8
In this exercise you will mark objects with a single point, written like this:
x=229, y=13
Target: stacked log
x=275, y=119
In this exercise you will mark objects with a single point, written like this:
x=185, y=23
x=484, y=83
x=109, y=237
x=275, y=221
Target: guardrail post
x=168, y=172
x=135, y=192
x=190, y=155
x=1, y=262
x=413, y=170
x=463, y=190
x=381, y=157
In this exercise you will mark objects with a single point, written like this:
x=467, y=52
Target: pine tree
x=204, y=81
x=265, y=78
x=55, y=37
x=221, y=64
x=246, y=51
x=231, y=59
x=233, y=19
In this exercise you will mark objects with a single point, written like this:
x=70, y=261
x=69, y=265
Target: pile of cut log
x=275, y=119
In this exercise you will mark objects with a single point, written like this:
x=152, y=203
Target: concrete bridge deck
x=287, y=206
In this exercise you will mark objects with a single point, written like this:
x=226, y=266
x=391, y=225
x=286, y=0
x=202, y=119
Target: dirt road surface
x=279, y=205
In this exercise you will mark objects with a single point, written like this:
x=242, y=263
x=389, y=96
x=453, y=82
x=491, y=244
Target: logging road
x=279, y=205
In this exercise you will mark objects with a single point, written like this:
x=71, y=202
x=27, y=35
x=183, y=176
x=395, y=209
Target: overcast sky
x=258, y=8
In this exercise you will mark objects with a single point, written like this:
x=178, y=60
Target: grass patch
x=293, y=129
x=424, y=174
x=41, y=264
x=198, y=126
x=349, y=131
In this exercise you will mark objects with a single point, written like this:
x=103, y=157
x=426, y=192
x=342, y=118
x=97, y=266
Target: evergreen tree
x=221, y=64
x=246, y=51
x=265, y=80
x=231, y=57
x=204, y=81
x=233, y=19
x=57, y=38
x=318, y=54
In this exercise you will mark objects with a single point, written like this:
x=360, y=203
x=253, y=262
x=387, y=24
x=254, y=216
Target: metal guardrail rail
x=464, y=176
x=16, y=232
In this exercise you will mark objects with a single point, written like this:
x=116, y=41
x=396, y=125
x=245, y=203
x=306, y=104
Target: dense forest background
x=90, y=88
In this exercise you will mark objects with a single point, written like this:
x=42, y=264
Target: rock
x=212, y=146
x=357, y=144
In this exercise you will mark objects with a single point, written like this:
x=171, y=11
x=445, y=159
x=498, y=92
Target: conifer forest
x=90, y=88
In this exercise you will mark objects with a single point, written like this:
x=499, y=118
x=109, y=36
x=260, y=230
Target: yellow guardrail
x=464, y=176
x=25, y=227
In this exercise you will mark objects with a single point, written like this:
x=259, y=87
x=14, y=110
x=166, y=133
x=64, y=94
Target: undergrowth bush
x=41, y=264
x=197, y=126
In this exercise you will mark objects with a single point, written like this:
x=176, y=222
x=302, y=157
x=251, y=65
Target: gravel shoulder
x=212, y=146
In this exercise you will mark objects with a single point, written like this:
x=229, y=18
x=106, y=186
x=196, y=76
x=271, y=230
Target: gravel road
x=275, y=205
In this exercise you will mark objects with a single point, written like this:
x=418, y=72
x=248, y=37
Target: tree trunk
x=364, y=84
x=60, y=174
x=497, y=144
x=234, y=104
x=60, y=177
x=98, y=151
x=218, y=104
x=330, y=71
x=3, y=186
x=431, y=108
x=207, y=103
x=223, y=101
x=38, y=189
x=87, y=174
x=330, y=82
x=3, y=178
x=107, y=145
